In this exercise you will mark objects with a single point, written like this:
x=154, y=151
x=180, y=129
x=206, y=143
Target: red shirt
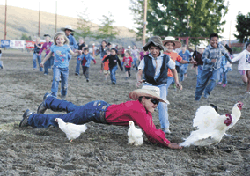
x=134, y=111
x=127, y=61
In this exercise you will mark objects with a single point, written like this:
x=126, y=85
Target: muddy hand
x=138, y=83
x=174, y=146
x=178, y=85
x=41, y=64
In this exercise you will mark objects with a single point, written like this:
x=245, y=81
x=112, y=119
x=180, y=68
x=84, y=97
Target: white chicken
x=211, y=126
x=71, y=130
x=135, y=135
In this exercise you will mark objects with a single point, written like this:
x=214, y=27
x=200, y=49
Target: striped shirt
x=214, y=53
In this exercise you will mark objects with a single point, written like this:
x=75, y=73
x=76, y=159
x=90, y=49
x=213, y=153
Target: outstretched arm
x=46, y=58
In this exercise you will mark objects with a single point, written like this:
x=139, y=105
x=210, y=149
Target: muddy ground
x=104, y=149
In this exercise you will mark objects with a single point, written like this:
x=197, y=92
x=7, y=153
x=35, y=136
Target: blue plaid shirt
x=214, y=53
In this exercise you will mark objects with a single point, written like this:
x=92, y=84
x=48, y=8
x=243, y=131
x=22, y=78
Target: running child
x=113, y=59
x=1, y=62
x=61, y=50
x=244, y=63
x=127, y=60
x=185, y=55
x=46, y=46
x=37, y=47
x=105, y=65
x=85, y=59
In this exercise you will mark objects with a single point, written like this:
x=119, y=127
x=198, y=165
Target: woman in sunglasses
x=139, y=110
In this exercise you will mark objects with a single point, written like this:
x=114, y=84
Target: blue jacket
x=87, y=61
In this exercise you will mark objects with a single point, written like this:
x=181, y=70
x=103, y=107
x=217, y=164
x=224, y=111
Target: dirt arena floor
x=104, y=149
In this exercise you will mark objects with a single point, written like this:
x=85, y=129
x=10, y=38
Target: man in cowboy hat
x=211, y=58
x=139, y=110
x=154, y=68
x=72, y=41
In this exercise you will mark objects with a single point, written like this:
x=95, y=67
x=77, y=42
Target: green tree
x=84, y=25
x=25, y=37
x=193, y=18
x=107, y=30
x=242, y=27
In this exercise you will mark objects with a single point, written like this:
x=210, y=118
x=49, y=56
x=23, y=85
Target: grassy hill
x=20, y=20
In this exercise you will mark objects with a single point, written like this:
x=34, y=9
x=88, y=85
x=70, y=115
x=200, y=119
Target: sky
x=119, y=9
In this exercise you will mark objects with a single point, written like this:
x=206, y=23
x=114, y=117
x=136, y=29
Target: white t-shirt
x=244, y=60
x=170, y=64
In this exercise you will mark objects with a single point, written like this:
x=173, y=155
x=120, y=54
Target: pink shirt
x=134, y=111
x=46, y=46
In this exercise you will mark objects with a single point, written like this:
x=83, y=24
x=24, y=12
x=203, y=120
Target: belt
x=103, y=115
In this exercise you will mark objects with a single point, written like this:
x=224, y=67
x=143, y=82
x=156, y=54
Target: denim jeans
x=78, y=63
x=162, y=107
x=223, y=74
x=112, y=74
x=38, y=57
x=183, y=70
x=170, y=80
x=60, y=73
x=199, y=69
x=206, y=75
x=48, y=64
x=134, y=62
x=75, y=114
x=85, y=72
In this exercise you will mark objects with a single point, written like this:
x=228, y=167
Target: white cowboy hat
x=177, y=43
x=69, y=28
x=147, y=91
x=202, y=46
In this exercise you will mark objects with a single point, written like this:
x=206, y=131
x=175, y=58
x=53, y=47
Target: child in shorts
x=127, y=60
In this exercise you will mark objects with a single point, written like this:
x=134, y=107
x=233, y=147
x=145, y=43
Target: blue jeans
x=112, y=74
x=199, y=69
x=38, y=57
x=206, y=75
x=162, y=107
x=134, y=62
x=170, y=80
x=48, y=64
x=183, y=70
x=223, y=74
x=75, y=114
x=60, y=73
x=78, y=63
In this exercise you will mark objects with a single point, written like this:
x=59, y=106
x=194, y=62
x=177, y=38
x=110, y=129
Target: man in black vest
x=154, y=68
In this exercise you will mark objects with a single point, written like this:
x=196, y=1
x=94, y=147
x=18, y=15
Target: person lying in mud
x=139, y=110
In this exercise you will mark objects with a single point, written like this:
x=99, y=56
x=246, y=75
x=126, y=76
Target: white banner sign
x=17, y=44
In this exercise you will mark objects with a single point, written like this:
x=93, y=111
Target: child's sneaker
x=87, y=80
x=224, y=85
x=219, y=82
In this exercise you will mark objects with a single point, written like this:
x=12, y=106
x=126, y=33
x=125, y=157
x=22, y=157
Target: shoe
x=219, y=82
x=42, y=108
x=113, y=82
x=76, y=74
x=166, y=130
x=206, y=96
x=45, y=74
x=24, y=122
x=2, y=66
x=87, y=80
x=224, y=85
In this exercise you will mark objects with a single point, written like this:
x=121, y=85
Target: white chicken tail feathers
x=203, y=116
x=71, y=130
